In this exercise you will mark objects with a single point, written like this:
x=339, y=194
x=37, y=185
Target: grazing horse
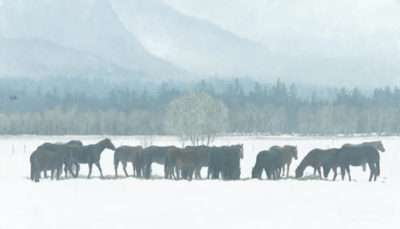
x=315, y=158
x=225, y=160
x=178, y=158
x=354, y=156
x=61, y=147
x=376, y=144
x=42, y=160
x=288, y=152
x=270, y=161
x=156, y=154
x=90, y=154
x=126, y=154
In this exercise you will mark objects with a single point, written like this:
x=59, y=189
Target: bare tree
x=197, y=117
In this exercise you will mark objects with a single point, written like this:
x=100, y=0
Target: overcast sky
x=338, y=26
x=342, y=42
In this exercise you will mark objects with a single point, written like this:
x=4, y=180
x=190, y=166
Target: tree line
x=124, y=109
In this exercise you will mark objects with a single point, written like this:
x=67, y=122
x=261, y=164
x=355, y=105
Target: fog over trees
x=58, y=106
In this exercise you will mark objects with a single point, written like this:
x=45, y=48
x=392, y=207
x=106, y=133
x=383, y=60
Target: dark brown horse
x=376, y=144
x=125, y=154
x=354, y=156
x=58, y=147
x=315, y=158
x=225, y=161
x=178, y=158
x=90, y=154
x=288, y=152
x=42, y=160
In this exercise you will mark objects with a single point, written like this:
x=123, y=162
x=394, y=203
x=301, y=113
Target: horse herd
x=186, y=163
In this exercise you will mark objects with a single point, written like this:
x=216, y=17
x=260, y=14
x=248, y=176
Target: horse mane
x=102, y=141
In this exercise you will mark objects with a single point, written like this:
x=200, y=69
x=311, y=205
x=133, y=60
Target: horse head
x=299, y=172
x=292, y=150
x=108, y=144
x=379, y=146
x=239, y=148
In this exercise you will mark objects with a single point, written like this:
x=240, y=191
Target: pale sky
x=340, y=27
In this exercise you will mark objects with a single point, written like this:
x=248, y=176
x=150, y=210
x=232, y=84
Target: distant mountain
x=89, y=27
x=201, y=46
x=35, y=58
x=194, y=44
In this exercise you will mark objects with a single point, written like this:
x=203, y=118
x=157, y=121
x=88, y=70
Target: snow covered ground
x=135, y=203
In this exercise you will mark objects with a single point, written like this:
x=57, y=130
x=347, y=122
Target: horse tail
x=33, y=167
x=116, y=159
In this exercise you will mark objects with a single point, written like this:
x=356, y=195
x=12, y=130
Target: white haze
x=316, y=42
x=355, y=29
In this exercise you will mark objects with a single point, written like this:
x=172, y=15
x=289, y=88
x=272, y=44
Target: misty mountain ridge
x=88, y=26
x=150, y=40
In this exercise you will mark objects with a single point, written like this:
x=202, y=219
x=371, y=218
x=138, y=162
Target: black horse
x=90, y=154
x=270, y=161
x=225, y=161
x=59, y=147
x=42, y=160
x=354, y=156
x=151, y=154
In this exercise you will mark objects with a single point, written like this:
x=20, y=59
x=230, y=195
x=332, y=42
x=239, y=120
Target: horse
x=60, y=147
x=156, y=154
x=315, y=158
x=90, y=154
x=42, y=160
x=270, y=161
x=178, y=158
x=185, y=171
x=288, y=152
x=355, y=156
x=126, y=154
x=376, y=144
x=225, y=160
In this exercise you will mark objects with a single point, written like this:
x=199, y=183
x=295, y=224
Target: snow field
x=157, y=203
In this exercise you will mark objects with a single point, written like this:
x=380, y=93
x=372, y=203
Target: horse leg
x=319, y=173
x=134, y=169
x=208, y=172
x=348, y=172
x=343, y=171
x=372, y=170
x=283, y=170
x=198, y=173
x=334, y=173
x=364, y=167
x=45, y=173
x=59, y=171
x=288, y=168
x=190, y=175
x=377, y=169
x=78, y=167
x=124, y=167
x=37, y=175
x=90, y=170
x=116, y=168
x=278, y=174
x=97, y=163
x=66, y=171
x=315, y=172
